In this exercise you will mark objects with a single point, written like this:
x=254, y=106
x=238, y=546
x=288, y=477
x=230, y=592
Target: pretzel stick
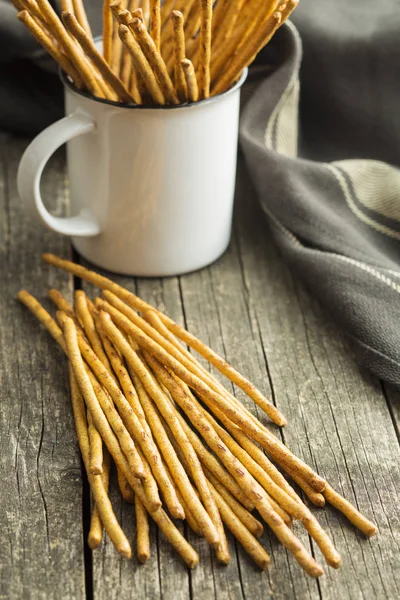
x=205, y=48
x=179, y=55
x=191, y=521
x=141, y=64
x=250, y=522
x=164, y=523
x=233, y=11
x=155, y=22
x=240, y=61
x=103, y=503
x=100, y=402
x=124, y=17
x=155, y=60
x=46, y=42
x=124, y=487
x=112, y=80
x=86, y=320
x=237, y=470
x=137, y=14
x=96, y=526
x=142, y=532
x=222, y=551
x=214, y=466
x=84, y=68
x=353, y=515
x=315, y=497
x=99, y=492
x=241, y=533
x=176, y=351
x=254, y=13
x=213, y=399
x=116, y=7
x=96, y=448
x=191, y=80
x=153, y=318
x=129, y=418
x=132, y=300
x=107, y=32
x=152, y=453
x=208, y=521
x=80, y=13
x=126, y=59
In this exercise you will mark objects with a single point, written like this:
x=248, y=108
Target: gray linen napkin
x=337, y=222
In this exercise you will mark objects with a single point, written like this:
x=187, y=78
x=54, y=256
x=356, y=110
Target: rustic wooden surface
x=250, y=308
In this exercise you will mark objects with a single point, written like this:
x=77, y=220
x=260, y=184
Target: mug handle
x=31, y=167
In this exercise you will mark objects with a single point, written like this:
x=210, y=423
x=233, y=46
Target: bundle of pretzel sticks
x=157, y=53
x=184, y=446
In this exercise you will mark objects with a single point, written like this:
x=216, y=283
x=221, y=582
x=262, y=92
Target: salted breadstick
x=179, y=55
x=174, y=536
x=96, y=526
x=241, y=533
x=252, y=16
x=155, y=22
x=116, y=7
x=211, y=517
x=155, y=60
x=142, y=532
x=315, y=497
x=81, y=64
x=96, y=448
x=137, y=14
x=124, y=487
x=46, y=42
x=154, y=457
x=86, y=320
x=250, y=522
x=214, y=466
x=203, y=69
x=237, y=470
x=100, y=495
x=129, y=418
x=349, y=511
x=107, y=32
x=141, y=65
x=135, y=302
x=80, y=13
x=111, y=78
x=98, y=403
x=213, y=399
x=242, y=60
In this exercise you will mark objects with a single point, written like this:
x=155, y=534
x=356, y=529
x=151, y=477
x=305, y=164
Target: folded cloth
x=336, y=222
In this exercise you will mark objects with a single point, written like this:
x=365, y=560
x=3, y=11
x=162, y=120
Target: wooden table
x=249, y=307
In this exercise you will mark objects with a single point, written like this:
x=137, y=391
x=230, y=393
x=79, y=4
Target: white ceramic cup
x=151, y=188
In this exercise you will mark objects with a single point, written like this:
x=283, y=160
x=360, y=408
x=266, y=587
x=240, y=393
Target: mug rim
x=67, y=83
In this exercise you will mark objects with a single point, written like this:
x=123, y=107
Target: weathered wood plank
x=217, y=311
x=338, y=418
x=41, y=505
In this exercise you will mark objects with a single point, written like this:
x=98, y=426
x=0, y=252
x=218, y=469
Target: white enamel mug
x=151, y=188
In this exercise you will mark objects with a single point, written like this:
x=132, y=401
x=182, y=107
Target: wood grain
x=41, y=505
